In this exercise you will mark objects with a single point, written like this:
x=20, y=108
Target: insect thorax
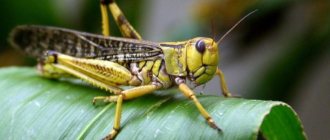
x=195, y=59
x=150, y=71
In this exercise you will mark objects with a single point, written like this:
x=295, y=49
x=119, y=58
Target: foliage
x=33, y=107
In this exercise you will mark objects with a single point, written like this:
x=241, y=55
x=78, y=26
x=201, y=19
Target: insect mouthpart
x=203, y=74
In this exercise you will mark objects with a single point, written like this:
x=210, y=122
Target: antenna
x=232, y=28
x=213, y=29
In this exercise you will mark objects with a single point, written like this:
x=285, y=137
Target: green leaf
x=33, y=107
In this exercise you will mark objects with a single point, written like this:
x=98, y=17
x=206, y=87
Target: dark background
x=281, y=52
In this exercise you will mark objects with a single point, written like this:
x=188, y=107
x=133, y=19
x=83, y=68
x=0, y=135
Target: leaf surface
x=33, y=107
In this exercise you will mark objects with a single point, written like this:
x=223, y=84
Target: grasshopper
x=107, y=62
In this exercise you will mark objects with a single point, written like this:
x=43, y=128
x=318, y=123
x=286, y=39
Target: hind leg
x=125, y=27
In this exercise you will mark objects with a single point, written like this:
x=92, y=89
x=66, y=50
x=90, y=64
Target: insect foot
x=213, y=125
x=112, y=135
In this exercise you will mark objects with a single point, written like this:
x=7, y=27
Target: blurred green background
x=281, y=52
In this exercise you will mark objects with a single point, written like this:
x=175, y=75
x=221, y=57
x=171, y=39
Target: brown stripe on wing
x=35, y=40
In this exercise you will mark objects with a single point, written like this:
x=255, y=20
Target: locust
x=108, y=62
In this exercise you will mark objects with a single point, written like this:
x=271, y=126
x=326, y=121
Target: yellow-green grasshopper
x=108, y=62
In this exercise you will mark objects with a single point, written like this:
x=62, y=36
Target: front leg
x=223, y=83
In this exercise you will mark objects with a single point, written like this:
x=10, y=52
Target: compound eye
x=200, y=46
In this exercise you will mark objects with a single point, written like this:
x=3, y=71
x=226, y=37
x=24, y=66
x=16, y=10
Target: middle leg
x=125, y=95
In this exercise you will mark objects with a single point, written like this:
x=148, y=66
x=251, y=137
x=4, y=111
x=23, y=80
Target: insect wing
x=36, y=40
